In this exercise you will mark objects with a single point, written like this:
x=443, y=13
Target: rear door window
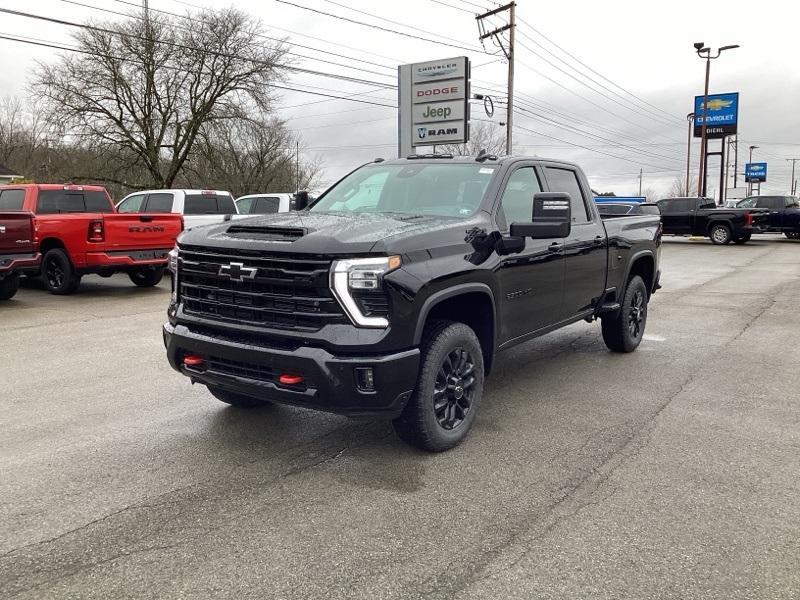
x=12, y=199
x=267, y=205
x=244, y=205
x=200, y=204
x=566, y=180
x=159, y=203
x=132, y=204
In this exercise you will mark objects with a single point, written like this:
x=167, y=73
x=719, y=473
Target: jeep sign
x=433, y=99
x=438, y=111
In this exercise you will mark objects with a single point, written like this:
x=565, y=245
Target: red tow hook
x=287, y=379
x=193, y=361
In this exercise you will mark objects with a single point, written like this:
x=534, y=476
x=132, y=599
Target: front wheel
x=449, y=388
x=8, y=287
x=146, y=277
x=623, y=332
x=720, y=234
x=57, y=273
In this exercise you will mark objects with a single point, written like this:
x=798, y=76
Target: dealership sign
x=755, y=172
x=721, y=114
x=433, y=103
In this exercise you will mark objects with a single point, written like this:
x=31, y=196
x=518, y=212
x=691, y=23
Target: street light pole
x=705, y=52
x=690, y=118
x=750, y=183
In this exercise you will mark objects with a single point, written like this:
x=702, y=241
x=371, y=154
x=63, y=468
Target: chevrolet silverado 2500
x=394, y=292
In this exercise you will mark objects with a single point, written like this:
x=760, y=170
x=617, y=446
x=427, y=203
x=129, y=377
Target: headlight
x=172, y=260
x=361, y=274
x=172, y=267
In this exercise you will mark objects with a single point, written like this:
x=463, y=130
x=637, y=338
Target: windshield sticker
x=486, y=171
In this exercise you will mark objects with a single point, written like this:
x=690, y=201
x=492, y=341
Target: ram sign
x=722, y=115
x=433, y=101
x=755, y=172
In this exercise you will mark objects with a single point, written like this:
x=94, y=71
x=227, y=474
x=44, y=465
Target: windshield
x=449, y=190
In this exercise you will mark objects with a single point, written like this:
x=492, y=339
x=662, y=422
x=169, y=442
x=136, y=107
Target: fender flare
x=634, y=258
x=451, y=292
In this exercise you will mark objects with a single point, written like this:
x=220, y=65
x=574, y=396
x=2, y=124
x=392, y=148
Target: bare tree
x=650, y=194
x=250, y=156
x=678, y=186
x=141, y=91
x=483, y=136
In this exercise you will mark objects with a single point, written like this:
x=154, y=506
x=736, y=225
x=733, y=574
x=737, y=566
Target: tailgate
x=133, y=231
x=16, y=233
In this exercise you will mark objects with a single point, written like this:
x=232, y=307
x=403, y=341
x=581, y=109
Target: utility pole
x=793, y=183
x=640, y=182
x=750, y=183
x=508, y=50
x=297, y=165
x=735, y=162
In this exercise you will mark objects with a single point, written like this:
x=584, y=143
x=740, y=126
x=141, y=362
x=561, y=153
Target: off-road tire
x=446, y=399
x=8, y=287
x=146, y=277
x=58, y=274
x=623, y=332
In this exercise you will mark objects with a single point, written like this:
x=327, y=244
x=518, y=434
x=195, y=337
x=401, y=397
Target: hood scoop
x=274, y=234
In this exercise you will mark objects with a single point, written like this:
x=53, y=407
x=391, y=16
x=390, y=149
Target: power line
x=45, y=44
x=575, y=58
x=262, y=36
x=193, y=49
x=373, y=26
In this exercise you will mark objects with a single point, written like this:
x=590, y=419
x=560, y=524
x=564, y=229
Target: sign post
x=433, y=101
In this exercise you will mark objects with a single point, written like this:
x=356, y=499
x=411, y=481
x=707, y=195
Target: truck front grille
x=257, y=288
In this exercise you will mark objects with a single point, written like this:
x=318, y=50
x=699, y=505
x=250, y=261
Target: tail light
x=96, y=231
x=748, y=219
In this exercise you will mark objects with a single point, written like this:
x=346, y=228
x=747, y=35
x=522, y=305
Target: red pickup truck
x=80, y=232
x=18, y=250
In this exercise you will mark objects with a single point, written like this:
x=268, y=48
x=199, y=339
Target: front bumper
x=329, y=380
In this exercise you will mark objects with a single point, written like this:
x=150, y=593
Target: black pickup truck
x=701, y=217
x=392, y=294
x=783, y=211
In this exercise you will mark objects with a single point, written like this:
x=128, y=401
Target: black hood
x=333, y=233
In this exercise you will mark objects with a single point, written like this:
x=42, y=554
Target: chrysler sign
x=433, y=101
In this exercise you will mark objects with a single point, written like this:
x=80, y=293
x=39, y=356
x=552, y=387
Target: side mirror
x=300, y=201
x=551, y=217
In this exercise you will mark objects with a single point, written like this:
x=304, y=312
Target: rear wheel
x=720, y=234
x=237, y=400
x=57, y=273
x=147, y=276
x=442, y=409
x=9, y=286
x=623, y=332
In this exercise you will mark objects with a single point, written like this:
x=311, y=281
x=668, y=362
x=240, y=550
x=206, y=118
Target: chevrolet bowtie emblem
x=237, y=271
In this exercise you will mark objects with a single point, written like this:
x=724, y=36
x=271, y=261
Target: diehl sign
x=722, y=115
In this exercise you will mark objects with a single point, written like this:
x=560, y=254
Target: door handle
x=2, y=228
x=555, y=247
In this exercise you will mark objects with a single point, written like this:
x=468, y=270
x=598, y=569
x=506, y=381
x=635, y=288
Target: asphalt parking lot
x=668, y=473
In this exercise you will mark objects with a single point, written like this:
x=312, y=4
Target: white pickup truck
x=198, y=207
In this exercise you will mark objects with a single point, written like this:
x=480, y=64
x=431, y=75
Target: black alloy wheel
x=636, y=313
x=454, y=389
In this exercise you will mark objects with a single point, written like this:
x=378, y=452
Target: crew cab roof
x=487, y=160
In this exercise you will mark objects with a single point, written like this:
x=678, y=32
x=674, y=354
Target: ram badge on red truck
x=18, y=249
x=80, y=232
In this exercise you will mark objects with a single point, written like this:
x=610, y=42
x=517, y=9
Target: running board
x=608, y=307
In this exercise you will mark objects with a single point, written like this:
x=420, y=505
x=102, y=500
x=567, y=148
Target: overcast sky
x=645, y=50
